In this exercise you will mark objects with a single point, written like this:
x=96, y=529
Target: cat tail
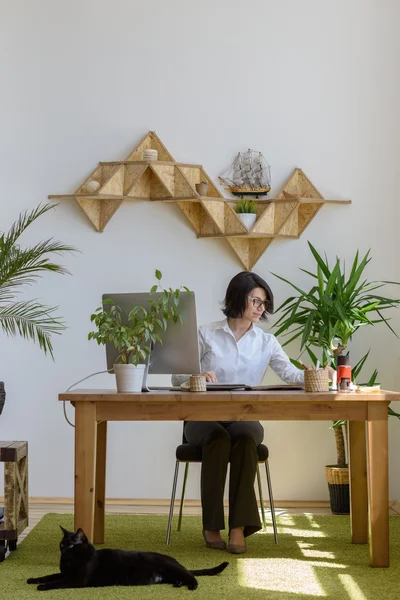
x=213, y=571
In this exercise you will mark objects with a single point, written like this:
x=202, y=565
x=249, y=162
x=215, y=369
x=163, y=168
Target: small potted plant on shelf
x=246, y=210
x=327, y=317
x=134, y=336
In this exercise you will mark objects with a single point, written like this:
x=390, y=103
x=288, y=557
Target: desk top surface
x=111, y=395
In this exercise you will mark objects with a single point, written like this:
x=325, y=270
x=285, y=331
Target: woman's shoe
x=234, y=549
x=215, y=545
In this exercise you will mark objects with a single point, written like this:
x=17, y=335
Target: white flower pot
x=129, y=377
x=248, y=219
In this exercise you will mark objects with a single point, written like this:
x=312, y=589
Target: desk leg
x=85, y=466
x=378, y=483
x=100, y=482
x=358, y=482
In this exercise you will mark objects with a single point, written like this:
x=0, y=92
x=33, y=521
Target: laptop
x=244, y=386
x=227, y=386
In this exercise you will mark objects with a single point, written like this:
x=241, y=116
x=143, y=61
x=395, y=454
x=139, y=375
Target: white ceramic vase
x=129, y=378
x=248, y=219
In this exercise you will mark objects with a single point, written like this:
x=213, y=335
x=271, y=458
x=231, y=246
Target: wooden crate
x=14, y=455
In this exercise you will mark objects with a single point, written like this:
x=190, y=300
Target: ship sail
x=237, y=177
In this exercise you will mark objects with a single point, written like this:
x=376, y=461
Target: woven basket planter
x=198, y=383
x=316, y=380
x=2, y=396
x=339, y=489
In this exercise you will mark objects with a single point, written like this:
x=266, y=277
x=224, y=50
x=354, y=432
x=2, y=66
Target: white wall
x=311, y=84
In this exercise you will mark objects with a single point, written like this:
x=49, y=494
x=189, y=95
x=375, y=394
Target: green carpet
x=314, y=559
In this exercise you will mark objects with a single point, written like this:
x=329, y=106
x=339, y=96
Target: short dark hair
x=237, y=291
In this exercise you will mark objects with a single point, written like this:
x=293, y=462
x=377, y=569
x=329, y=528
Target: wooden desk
x=369, y=497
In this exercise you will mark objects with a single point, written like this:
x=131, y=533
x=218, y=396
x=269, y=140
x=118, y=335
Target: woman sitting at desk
x=235, y=350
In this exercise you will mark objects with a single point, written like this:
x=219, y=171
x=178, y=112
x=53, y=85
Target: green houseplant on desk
x=134, y=336
x=326, y=317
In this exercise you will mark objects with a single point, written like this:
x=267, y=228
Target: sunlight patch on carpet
x=289, y=576
x=312, y=521
x=352, y=589
x=308, y=551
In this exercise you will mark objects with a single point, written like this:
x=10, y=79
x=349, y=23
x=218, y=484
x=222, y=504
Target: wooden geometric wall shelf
x=214, y=216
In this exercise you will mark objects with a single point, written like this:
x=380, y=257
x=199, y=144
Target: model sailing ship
x=248, y=175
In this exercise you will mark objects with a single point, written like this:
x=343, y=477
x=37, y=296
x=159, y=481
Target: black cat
x=81, y=565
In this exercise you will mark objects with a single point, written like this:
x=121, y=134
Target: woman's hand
x=210, y=376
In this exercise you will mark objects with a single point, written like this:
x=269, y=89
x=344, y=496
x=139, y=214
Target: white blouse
x=245, y=361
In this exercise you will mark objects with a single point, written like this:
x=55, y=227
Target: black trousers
x=223, y=442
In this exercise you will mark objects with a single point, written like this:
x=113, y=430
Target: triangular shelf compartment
x=103, y=175
x=300, y=193
x=213, y=191
x=195, y=174
x=290, y=225
x=166, y=174
x=249, y=250
x=299, y=186
x=98, y=210
x=264, y=225
x=150, y=140
x=224, y=217
x=183, y=187
x=114, y=185
x=265, y=222
x=199, y=219
x=306, y=213
x=101, y=205
x=132, y=174
x=149, y=186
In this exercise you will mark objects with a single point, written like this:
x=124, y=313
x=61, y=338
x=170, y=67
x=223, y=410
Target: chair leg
x=261, y=497
x=183, y=495
x=171, y=508
x=271, y=502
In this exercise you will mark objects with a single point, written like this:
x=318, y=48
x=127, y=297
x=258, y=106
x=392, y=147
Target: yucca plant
x=330, y=313
x=20, y=266
x=245, y=206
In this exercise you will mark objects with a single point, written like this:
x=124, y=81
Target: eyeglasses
x=257, y=302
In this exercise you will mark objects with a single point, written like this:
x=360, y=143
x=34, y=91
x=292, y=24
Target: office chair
x=187, y=453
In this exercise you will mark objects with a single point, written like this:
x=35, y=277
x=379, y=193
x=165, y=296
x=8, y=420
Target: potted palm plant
x=134, y=337
x=23, y=266
x=246, y=210
x=327, y=317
